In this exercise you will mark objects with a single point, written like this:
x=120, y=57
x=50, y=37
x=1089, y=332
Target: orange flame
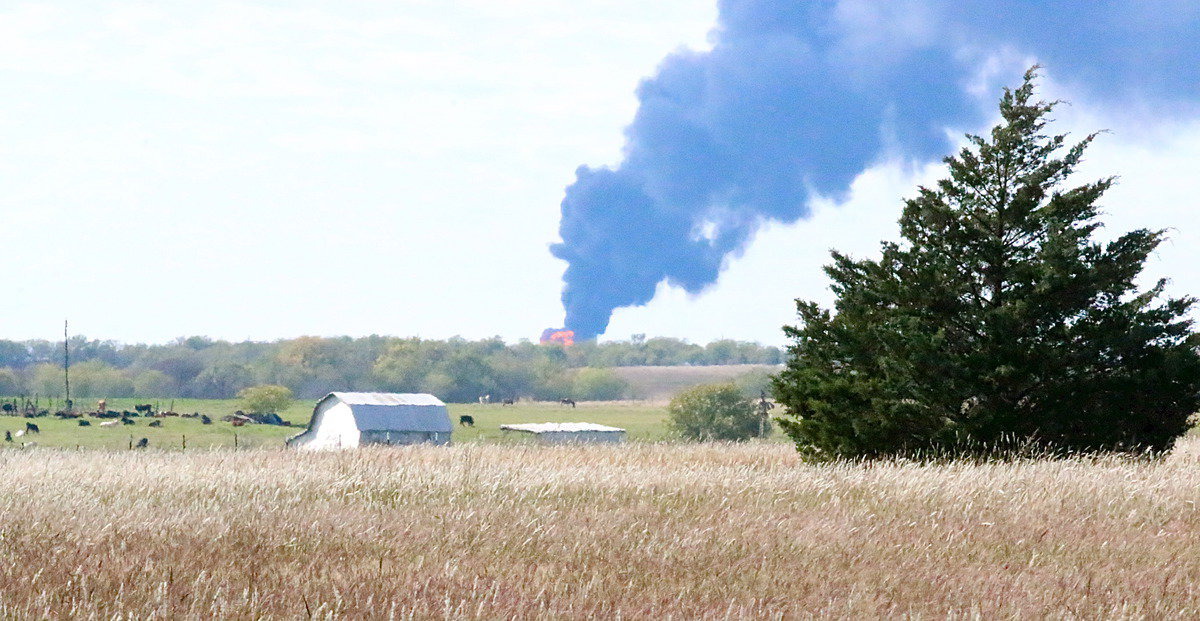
x=563, y=337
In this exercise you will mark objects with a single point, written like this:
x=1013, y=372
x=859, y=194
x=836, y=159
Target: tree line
x=457, y=370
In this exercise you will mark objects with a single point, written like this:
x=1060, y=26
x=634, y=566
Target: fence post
x=184, y=441
x=235, y=440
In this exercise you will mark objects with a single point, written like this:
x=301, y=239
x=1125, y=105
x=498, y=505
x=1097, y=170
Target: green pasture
x=644, y=422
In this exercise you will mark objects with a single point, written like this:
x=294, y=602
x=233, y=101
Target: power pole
x=764, y=410
x=67, y=366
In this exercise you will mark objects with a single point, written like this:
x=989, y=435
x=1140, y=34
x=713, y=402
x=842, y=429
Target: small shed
x=350, y=419
x=567, y=433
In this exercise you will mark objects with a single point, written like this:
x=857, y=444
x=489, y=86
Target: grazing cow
x=8, y=436
x=84, y=423
x=237, y=422
x=508, y=402
x=570, y=402
x=466, y=420
x=156, y=423
x=128, y=421
x=205, y=419
x=485, y=399
x=32, y=428
x=143, y=443
x=8, y=408
x=143, y=408
x=110, y=423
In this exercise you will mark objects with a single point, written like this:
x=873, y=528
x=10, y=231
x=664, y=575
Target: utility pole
x=67, y=366
x=764, y=409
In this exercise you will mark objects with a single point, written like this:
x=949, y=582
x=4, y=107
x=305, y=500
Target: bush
x=47, y=380
x=599, y=385
x=153, y=383
x=715, y=412
x=96, y=379
x=10, y=383
x=266, y=399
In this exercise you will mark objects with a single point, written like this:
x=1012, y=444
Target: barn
x=569, y=433
x=349, y=419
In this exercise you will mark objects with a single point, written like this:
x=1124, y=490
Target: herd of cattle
x=110, y=418
x=126, y=417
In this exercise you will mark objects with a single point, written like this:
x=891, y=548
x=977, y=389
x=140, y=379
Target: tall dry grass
x=641, y=531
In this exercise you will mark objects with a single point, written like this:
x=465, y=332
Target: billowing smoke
x=799, y=97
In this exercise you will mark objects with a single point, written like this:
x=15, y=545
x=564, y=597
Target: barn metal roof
x=386, y=398
x=559, y=427
x=388, y=411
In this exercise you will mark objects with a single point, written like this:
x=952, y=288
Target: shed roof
x=559, y=427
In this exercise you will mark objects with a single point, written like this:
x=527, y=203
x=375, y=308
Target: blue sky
x=267, y=169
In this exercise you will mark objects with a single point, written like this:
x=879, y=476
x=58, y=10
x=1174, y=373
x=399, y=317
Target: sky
x=263, y=170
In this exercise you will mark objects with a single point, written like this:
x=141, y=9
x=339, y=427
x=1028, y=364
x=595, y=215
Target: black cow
x=8, y=408
x=570, y=402
x=84, y=423
x=143, y=408
x=205, y=419
x=507, y=402
x=32, y=428
x=8, y=436
x=128, y=421
x=466, y=420
x=157, y=423
x=143, y=443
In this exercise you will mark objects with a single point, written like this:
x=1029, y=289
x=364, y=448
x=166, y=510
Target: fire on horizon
x=559, y=336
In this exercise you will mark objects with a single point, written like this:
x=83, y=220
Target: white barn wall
x=334, y=427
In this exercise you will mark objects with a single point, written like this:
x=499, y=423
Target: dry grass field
x=638, y=531
x=662, y=383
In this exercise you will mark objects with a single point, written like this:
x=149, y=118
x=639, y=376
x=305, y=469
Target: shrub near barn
x=267, y=399
x=715, y=412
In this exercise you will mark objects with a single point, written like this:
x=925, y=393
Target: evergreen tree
x=998, y=320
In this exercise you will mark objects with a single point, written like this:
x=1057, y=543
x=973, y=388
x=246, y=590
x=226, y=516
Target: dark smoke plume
x=800, y=96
